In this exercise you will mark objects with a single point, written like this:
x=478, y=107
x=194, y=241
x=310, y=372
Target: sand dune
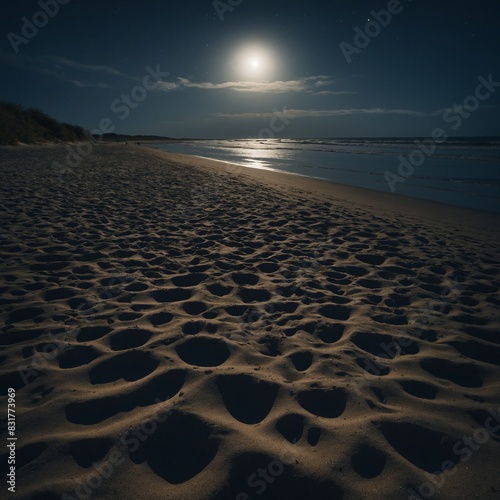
x=179, y=329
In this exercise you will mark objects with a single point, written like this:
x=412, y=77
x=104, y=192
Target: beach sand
x=180, y=328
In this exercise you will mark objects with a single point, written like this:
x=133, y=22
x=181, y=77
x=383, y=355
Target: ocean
x=463, y=172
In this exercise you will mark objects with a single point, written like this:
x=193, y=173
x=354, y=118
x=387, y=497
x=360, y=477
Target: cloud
x=82, y=67
x=77, y=83
x=318, y=113
x=60, y=68
x=310, y=85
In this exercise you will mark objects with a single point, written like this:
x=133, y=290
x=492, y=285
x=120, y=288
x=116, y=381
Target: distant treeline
x=31, y=125
x=112, y=137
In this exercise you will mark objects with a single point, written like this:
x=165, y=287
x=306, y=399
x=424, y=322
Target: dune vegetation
x=32, y=126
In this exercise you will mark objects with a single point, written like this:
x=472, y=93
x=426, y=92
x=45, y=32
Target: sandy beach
x=180, y=328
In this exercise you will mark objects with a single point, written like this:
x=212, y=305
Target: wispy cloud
x=316, y=113
x=62, y=69
x=311, y=85
x=62, y=77
x=68, y=63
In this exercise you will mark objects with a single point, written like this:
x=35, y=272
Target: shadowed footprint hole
x=368, y=461
x=78, y=356
x=87, y=451
x=291, y=427
x=130, y=366
x=419, y=389
x=161, y=318
x=171, y=295
x=183, y=446
x=194, y=308
x=89, y=333
x=284, y=482
x=425, y=448
x=337, y=312
x=246, y=398
x=127, y=339
x=302, y=360
x=465, y=375
x=327, y=403
x=93, y=411
x=203, y=351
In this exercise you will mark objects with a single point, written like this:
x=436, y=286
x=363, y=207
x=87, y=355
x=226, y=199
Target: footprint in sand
x=329, y=333
x=19, y=336
x=478, y=351
x=189, y=280
x=89, y=333
x=203, y=351
x=290, y=486
x=384, y=346
x=86, y=452
x=193, y=327
x=219, y=290
x=302, y=360
x=327, y=403
x=24, y=455
x=79, y=355
x=487, y=334
x=419, y=389
x=246, y=398
x=270, y=346
x=130, y=366
x=93, y=411
x=24, y=314
x=161, y=318
x=171, y=295
x=373, y=367
x=194, y=308
x=368, y=461
x=338, y=312
x=245, y=278
x=183, y=446
x=465, y=375
x=372, y=259
x=313, y=436
x=291, y=427
x=249, y=295
x=425, y=448
x=129, y=338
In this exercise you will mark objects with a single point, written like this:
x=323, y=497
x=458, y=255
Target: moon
x=254, y=62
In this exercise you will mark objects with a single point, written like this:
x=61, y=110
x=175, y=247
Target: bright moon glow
x=254, y=62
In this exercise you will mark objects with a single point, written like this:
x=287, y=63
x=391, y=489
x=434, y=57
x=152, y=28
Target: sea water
x=462, y=171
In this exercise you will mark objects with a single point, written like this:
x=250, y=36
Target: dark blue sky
x=230, y=67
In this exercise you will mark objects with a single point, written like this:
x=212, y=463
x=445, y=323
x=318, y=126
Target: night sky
x=232, y=67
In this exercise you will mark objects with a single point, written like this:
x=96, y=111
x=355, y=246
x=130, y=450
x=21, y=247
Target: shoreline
x=477, y=223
